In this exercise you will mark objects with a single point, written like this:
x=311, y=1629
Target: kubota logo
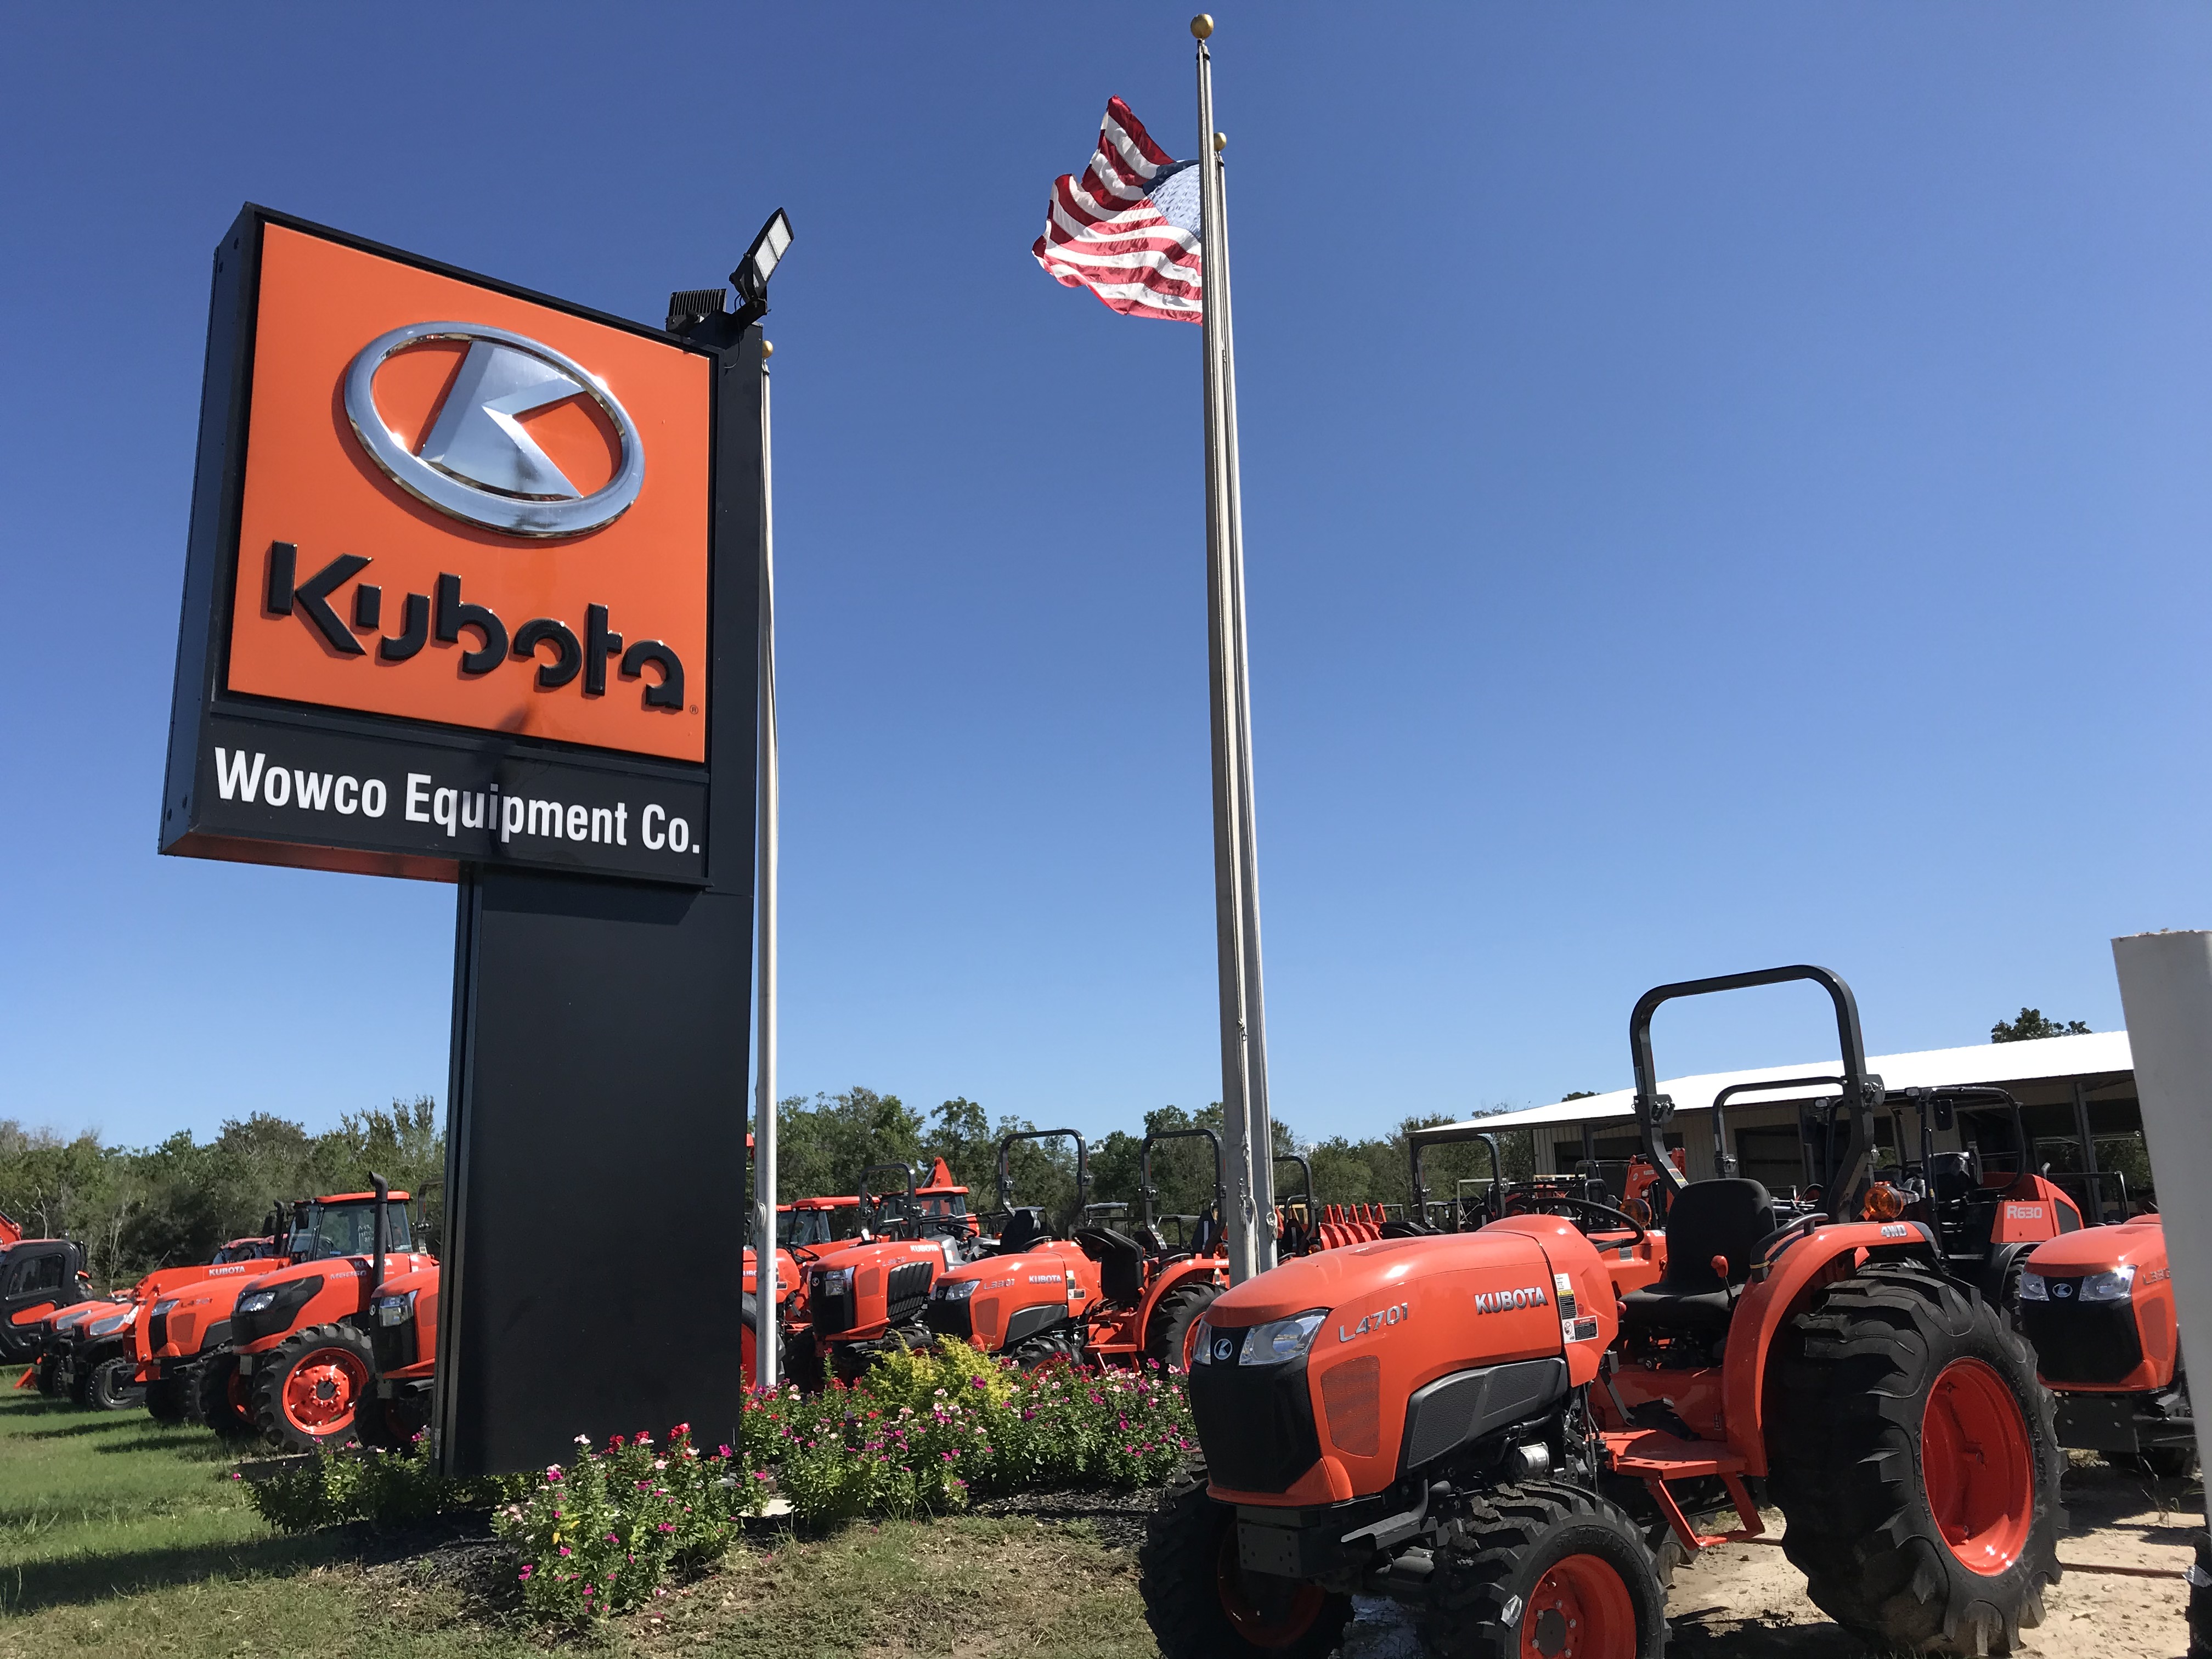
x=478, y=463
x=1489, y=1302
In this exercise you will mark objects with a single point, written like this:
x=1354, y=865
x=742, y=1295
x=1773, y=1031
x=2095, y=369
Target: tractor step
x=1654, y=1457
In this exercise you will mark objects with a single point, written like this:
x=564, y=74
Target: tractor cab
x=812, y=1224
x=244, y=1249
x=39, y=1277
x=1988, y=1205
x=344, y=1224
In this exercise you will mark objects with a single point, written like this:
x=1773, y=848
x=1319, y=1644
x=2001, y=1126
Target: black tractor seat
x=1708, y=1219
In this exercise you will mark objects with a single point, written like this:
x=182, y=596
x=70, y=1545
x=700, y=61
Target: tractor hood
x=1387, y=1268
x=2139, y=1244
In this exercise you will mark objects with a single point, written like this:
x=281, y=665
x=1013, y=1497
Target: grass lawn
x=123, y=1540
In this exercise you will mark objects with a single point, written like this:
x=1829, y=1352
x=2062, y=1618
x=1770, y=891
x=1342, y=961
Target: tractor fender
x=1207, y=1269
x=1795, y=1268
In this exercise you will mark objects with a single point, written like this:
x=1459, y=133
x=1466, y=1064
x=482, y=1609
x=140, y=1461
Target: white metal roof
x=2096, y=1053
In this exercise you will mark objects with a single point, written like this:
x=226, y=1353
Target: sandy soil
x=1746, y=1601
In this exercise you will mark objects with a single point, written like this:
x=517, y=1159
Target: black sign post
x=593, y=1261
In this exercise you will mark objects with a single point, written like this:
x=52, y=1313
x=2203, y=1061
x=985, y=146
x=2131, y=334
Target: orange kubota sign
x=448, y=600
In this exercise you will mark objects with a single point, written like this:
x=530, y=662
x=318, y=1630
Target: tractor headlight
x=2033, y=1289
x=1280, y=1340
x=395, y=1309
x=835, y=1281
x=254, y=1301
x=2114, y=1287
x=112, y=1324
x=956, y=1290
x=163, y=1307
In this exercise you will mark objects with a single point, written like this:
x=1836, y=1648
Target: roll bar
x=871, y=1203
x=1146, y=1192
x=1447, y=1135
x=1305, y=1170
x=1725, y=1162
x=1082, y=1168
x=383, y=1188
x=1862, y=1092
x=1945, y=1101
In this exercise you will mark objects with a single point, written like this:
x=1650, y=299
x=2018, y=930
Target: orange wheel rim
x=1977, y=1466
x=1190, y=1341
x=1266, y=1618
x=323, y=1389
x=1580, y=1609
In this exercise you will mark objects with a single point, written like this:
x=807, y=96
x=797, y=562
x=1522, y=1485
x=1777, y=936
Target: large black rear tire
x=1914, y=1454
x=1202, y=1604
x=1168, y=1332
x=1548, y=1569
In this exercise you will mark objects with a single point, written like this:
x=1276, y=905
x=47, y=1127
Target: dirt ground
x=1746, y=1601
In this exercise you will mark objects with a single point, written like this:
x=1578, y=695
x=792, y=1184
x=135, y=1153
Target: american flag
x=1127, y=229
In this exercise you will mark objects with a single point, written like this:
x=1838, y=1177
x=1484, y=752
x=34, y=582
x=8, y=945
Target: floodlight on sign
x=750, y=277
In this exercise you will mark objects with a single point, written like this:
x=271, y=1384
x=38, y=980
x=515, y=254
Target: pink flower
x=525, y=1574
x=564, y=1549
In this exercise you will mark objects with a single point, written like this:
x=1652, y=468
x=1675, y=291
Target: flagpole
x=1257, y=1114
x=764, y=1206
x=1243, y=1062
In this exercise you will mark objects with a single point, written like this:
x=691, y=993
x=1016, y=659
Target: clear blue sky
x=1725, y=484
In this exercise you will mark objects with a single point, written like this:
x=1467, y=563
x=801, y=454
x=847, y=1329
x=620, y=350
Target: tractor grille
x=157, y=1331
x=1254, y=1424
x=2081, y=1344
x=907, y=1291
x=831, y=1312
x=948, y=1318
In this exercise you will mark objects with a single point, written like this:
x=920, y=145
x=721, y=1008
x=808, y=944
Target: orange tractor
x=1492, y=1428
x=867, y=1297
x=2098, y=1306
x=39, y=1278
x=1098, y=1294
x=1989, y=1206
x=88, y=1353
x=338, y=1342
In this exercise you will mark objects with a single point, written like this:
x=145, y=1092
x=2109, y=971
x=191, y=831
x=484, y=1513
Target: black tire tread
x=1473, y=1580
x=1847, y=1386
x=1171, y=1319
x=1176, y=1569
x=273, y=1367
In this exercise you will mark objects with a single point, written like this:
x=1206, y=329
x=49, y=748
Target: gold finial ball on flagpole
x=1202, y=25
x=767, y=347
x=1220, y=143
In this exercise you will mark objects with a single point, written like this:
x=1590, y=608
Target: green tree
x=822, y=1148
x=2031, y=1023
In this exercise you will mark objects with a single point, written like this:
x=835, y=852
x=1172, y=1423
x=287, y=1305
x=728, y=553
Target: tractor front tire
x=165, y=1401
x=1914, y=1454
x=307, y=1389
x=1168, y=1336
x=50, y=1376
x=1202, y=1603
x=1044, y=1350
x=113, y=1386
x=217, y=1398
x=1538, y=1568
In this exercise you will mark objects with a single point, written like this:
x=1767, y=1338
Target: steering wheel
x=1552, y=1203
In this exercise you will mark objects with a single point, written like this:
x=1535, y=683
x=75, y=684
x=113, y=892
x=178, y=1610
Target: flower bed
x=922, y=1433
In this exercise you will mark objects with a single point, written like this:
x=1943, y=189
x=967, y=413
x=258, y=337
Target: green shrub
x=605, y=1533
x=386, y=1488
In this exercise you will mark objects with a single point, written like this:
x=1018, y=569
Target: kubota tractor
x=1485, y=1426
x=2098, y=1307
x=867, y=1297
x=39, y=1279
x=1988, y=1205
x=89, y=1353
x=1097, y=1294
x=341, y=1343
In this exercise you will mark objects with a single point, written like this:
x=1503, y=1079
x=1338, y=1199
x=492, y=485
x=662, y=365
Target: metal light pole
x=702, y=313
x=765, y=878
